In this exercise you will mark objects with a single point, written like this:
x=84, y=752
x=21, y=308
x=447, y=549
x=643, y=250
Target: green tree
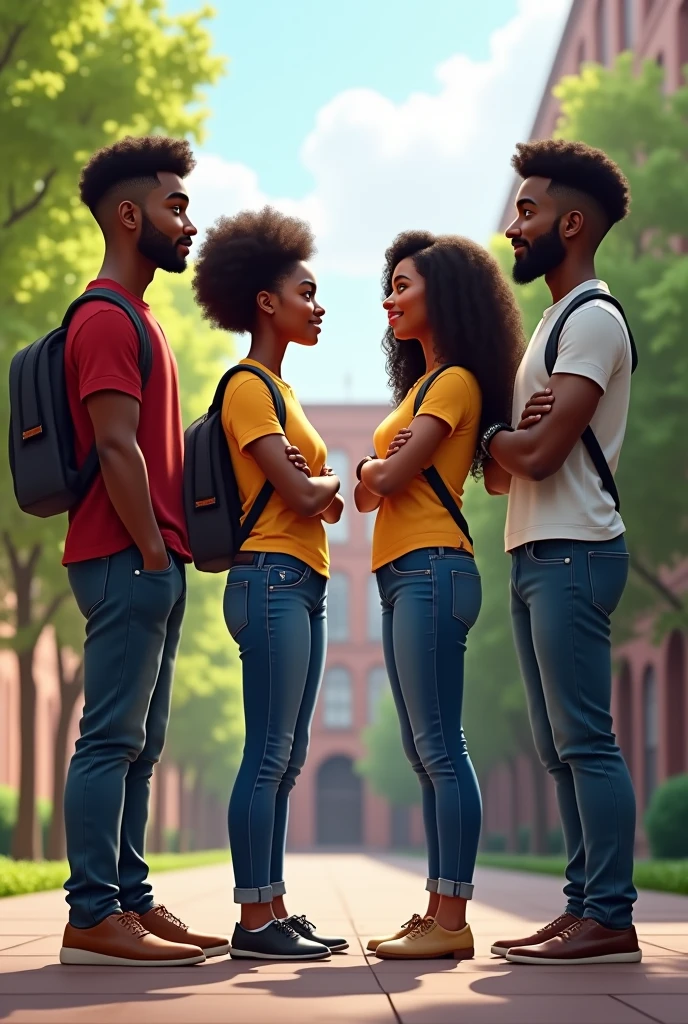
x=384, y=764
x=74, y=76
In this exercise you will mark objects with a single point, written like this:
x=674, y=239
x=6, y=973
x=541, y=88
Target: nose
x=191, y=229
x=388, y=302
x=513, y=231
x=319, y=310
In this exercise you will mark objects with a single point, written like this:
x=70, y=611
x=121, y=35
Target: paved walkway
x=355, y=895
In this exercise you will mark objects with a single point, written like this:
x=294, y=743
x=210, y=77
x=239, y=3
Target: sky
x=368, y=119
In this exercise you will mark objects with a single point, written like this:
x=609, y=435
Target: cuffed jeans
x=133, y=627
x=275, y=608
x=562, y=594
x=430, y=600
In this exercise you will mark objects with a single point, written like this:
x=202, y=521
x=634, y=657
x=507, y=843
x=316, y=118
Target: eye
x=177, y=210
x=401, y=287
x=527, y=214
x=308, y=294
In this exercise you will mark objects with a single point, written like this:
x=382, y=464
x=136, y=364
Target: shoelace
x=412, y=923
x=572, y=930
x=163, y=912
x=305, y=923
x=131, y=922
x=425, y=925
x=552, y=925
x=285, y=928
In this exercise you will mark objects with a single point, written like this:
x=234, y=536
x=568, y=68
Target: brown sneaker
x=404, y=930
x=585, y=942
x=122, y=941
x=165, y=925
x=541, y=935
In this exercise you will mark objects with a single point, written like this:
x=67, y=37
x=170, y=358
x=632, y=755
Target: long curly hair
x=473, y=315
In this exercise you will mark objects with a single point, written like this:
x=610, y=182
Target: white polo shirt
x=572, y=504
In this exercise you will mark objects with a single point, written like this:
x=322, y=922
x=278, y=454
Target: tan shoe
x=122, y=941
x=165, y=925
x=564, y=921
x=429, y=941
x=404, y=930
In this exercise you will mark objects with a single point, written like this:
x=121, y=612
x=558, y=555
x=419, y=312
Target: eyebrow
x=177, y=195
x=525, y=199
x=308, y=281
x=399, y=277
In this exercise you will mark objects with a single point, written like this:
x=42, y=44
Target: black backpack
x=211, y=494
x=431, y=474
x=47, y=480
x=588, y=437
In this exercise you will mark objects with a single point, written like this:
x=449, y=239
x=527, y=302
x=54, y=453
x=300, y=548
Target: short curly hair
x=244, y=255
x=574, y=166
x=473, y=314
x=135, y=160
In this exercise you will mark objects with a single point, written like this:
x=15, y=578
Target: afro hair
x=133, y=160
x=242, y=256
x=577, y=167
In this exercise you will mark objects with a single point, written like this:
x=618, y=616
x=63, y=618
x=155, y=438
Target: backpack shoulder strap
x=588, y=438
x=552, y=347
x=115, y=299
x=431, y=474
x=266, y=491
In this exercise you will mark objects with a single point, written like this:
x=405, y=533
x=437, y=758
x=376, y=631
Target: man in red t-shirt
x=125, y=554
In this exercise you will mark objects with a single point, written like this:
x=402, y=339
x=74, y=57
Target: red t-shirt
x=102, y=354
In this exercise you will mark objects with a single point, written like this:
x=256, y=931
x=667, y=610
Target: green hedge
x=22, y=876
x=666, y=821
x=9, y=799
x=659, y=875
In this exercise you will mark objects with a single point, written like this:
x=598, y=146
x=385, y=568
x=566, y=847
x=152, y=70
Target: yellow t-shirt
x=415, y=517
x=248, y=413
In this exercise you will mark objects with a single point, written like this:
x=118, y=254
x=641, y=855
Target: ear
x=264, y=303
x=129, y=215
x=572, y=224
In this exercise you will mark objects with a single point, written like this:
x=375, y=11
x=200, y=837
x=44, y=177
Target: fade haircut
x=133, y=164
x=574, y=169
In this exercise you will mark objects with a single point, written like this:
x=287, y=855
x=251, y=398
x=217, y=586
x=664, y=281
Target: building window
x=338, y=533
x=626, y=28
x=650, y=732
x=378, y=684
x=582, y=54
x=370, y=518
x=338, y=711
x=601, y=32
x=374, y=610
x=338, y=607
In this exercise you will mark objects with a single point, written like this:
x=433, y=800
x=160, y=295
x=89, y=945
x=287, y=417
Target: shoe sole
x=607, y=958
x=246, y=955
x=86, y=958
x=457, y=954
x=340, y=948
x=217, y=950
x=500, y=950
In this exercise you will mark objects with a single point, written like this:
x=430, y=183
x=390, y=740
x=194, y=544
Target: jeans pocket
x=281, y=577
x=235, y=606
x=608, y=574
x=550, y=552
x=467, y=595
x=88, y=581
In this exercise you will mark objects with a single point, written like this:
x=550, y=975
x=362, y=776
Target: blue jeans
x=562, y=594
x=430, y=600
x=275, y=608
x=133, y=627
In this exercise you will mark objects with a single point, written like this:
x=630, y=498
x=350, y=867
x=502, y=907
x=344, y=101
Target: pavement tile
x=420, y=1008
x=666, y=1009
x=10, y=941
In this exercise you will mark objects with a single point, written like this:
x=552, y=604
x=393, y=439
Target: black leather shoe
x=304, y=927
x=276, y=942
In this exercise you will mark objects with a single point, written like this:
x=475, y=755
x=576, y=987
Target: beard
x=541, y=256
x=158, y=248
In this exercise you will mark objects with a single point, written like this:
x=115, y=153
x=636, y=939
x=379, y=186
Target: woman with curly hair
x=253, y=277
x=453, y=346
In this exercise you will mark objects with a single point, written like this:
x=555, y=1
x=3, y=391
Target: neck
x=569, y=274
x=432, y=361
x=268, y=350
x=131, y=271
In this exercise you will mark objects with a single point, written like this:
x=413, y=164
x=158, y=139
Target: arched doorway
x=624, y=709
x=675, y=705
x=339, y=803
x=650, y=732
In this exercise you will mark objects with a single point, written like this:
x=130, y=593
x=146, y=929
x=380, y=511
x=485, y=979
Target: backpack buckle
x=32, y=432
x=205, y=502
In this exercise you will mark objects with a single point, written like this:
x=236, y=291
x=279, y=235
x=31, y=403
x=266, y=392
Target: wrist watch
x=490, y=434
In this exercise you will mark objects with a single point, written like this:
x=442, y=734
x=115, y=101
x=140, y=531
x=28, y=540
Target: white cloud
x=436, y=160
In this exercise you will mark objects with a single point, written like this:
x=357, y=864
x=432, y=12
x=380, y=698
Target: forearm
x=517, y=453
x=126, y=481
x=320, y=493
x=365, y=500
x=496, y=479
x=333, y=512
x=378, y=478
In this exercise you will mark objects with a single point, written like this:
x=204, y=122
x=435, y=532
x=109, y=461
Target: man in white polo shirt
x=566, y=538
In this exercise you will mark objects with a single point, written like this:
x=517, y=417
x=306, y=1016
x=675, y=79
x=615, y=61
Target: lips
x=519, y=248
x=393, y=317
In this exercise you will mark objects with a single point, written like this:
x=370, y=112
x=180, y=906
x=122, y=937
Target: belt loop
x=440, y=552
x=261, y=559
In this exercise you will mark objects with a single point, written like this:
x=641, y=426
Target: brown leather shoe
x=122, y=941
x=541, y=935
x=165, y=925
x=585, y=942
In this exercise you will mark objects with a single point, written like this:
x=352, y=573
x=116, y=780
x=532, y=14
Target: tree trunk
x=183, y=812
x=27, y=840
x=197, y=813
x=157, y=832
x=538, y=838
x=70, y=689
x=514, y=806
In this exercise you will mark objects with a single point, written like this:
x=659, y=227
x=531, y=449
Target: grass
x=22, y=876
x=659, y=875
